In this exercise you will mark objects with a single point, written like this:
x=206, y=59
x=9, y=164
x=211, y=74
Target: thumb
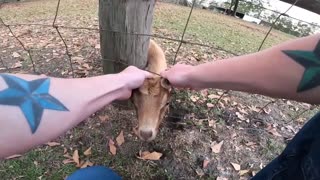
x=164, y=74
x=148, y=75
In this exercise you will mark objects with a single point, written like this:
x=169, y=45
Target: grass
x=232, y=34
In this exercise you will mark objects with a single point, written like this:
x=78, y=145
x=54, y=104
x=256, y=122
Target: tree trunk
x=234, y=13
x=121, y=49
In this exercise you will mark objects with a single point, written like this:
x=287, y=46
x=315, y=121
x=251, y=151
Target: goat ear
x=165, y=83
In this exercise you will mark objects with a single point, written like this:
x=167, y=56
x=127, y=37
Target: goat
x=151, y=100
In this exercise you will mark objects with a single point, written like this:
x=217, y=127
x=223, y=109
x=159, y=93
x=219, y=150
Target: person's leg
x=301, y=158
x=94, y=173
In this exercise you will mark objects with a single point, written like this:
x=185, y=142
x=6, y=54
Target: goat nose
x=145, y=135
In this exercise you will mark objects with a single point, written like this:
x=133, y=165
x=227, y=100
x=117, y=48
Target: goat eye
x=167, y=103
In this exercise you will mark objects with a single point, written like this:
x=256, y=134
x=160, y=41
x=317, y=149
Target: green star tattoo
x=310, y=60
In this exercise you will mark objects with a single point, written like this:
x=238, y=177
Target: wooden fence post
x=117, y=18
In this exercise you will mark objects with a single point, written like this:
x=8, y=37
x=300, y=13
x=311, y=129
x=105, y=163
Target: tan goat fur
x=151, y=99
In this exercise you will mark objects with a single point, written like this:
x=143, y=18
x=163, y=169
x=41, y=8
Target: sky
x=295, y=11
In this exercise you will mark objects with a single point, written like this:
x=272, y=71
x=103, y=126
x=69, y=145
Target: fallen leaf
x=67, y=156
x=242, y=111
x=214, y=96
x=220, y=93
x=75, y=157
x=87, y=152
x=85, y=65
x=53, y=144
x=273, y=130
x=211, y=123
x=120, y=139
x=250, y=143
x=204, y=92
x=236, y=166
x=205, y=163
x=194, y=98
x=243, y=172
x=97, y=46
x=254, y=108
x=86, y=164
x=151, y=156
x=210, y=105
x=67, y=161
x=216, y=148
x=221, y=178
x=240, y=116
x=17, y=65
x=15, y=54
x=199, y=172
x=64, y=150
x=112, y=147
x=289, y=103
x=267, y=111
x=13, y=156
x=104, y=118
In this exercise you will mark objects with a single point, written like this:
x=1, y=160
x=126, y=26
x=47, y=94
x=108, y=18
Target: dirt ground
x=201, y=137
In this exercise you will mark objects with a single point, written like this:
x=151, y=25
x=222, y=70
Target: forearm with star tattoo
x=290, y=70
x=35, y=110
x=310, y=60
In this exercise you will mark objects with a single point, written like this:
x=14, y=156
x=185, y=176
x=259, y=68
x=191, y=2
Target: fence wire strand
x=62, y=39
x=184, y=32
x=181, y=41
x=21, y=44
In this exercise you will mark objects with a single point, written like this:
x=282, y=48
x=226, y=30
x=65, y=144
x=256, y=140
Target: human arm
x=290, y=70
x=35, y=110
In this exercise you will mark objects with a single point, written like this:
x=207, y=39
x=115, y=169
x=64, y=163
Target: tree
x=120, y=21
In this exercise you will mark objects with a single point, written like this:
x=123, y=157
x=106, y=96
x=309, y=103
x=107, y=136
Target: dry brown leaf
x=87, y=66
x=13, y=156
x=97, y=46
x=15, y=54
x=243, y=172
x=220, y=93
x=199, y=172
x=211, y=123
x=112, y=147
x=87, y=152
x=240, y=116
x=236, y=166
x=216, y=148
x=120, y=139
x=243, y=111
x=17, y=65
x=194, y=98
x=53, y=144
x=104, y=118
x=221, y=178
x=151, y=156
x=67, y=161
x=267, y=110
x=254, y=108
x=273, y=130
x=250, y=143
x=67, y=156
x=213, y=96
x=205, y=163
x=86, y=164
x=210, y=105
x=64, y=150
x=75, y=157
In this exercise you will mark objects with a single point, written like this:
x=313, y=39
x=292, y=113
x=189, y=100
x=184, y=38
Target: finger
x=148, y=75
x=164, y=74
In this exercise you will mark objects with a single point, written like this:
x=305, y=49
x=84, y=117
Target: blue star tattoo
x=32, y=97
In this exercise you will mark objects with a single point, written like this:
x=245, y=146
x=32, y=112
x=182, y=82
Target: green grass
x=205, y=26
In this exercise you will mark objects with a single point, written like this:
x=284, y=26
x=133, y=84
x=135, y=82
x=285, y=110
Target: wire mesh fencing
x=72, y=59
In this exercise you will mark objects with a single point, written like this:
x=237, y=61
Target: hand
x=179, y=75
x=133, y=79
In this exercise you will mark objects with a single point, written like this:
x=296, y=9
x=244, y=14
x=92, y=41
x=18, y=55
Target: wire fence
x=181, y=41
